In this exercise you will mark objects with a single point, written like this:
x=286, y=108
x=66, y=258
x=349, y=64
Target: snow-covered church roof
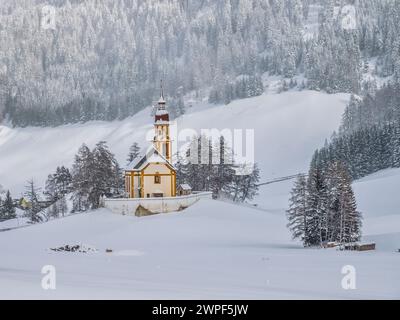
x=152, y=156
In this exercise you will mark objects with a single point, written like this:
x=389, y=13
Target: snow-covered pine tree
x=332, y=221
x=350, y=218
x=32, y=196
x=58, y=184
x=317, y=204
x=104, y=175
x=134, y=152
x=248, y=182
x=297, y=212
x=7, y=207
x=223, y=172
x=82, y=171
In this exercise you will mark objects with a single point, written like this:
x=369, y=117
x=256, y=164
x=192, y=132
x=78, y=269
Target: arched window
x=157, y=178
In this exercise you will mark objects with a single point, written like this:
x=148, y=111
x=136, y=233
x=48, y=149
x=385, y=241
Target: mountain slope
x=378, y=200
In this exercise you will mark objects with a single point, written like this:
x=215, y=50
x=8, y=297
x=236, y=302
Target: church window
x=157, y=178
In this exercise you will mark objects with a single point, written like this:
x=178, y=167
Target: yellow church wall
x=146, y=177
x=166, y=185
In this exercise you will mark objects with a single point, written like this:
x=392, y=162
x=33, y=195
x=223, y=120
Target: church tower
x=162, y=142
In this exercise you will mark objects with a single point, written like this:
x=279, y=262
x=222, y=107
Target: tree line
x=369, y=136
x=104, y=59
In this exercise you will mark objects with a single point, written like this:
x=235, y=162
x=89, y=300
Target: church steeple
x=162, y=100
x=161, y=113
x=162, y=141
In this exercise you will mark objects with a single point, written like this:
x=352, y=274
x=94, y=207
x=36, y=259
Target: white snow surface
x=212, y=250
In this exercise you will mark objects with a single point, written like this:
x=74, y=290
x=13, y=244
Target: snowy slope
x=288, y=127
x=212, y=250
x=378, y=200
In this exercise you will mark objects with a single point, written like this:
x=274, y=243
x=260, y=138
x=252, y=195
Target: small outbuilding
x=360, y=247
x=184, y=189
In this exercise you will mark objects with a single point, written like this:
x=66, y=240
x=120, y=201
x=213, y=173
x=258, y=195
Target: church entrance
x=158, y=195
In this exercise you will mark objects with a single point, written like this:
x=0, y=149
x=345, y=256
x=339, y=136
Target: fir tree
x=7, y=208
x=134, y=152
x=350, y=218
x=297, y=212
x=82, y=172
x=32, y=196
x=316, y=208
x=58, y=184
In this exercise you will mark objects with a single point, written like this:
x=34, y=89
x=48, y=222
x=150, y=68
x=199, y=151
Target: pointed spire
x=162, y=89
x=162, y=100
x=161, y=113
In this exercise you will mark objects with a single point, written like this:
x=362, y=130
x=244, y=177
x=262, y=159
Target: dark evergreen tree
x=34, y=208
x=58, y=184
x=7, y=207
x=134, y=152
x=317, y=205
x=104, y=176
x=297, y=212
x=82, y=172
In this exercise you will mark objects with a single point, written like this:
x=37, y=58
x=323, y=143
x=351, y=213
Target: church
x=152, y=175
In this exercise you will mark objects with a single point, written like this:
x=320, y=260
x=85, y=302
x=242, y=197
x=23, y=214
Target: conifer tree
x=350, y=218
x=297, y=212
x=134, y=152
x=316, y=207
x=82, y=173
x=7, y=207
x=105, y=174
x=32, y=196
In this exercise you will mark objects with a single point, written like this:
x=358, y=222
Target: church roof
x=152, y=156
x=161, y=116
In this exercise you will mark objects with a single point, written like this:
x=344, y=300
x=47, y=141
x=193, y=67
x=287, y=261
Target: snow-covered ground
x=288, y=127
x=212, y=250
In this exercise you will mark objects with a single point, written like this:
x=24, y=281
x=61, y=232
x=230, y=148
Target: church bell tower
x=162, y=142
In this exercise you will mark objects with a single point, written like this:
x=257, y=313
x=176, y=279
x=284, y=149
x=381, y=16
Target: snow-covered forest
x=369, y=136
x=103, y=59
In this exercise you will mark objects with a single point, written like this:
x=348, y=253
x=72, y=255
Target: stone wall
x=148, y=206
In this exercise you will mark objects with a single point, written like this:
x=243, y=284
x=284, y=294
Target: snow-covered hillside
x=213, y=250
x=378, y=199
x=288, y=127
